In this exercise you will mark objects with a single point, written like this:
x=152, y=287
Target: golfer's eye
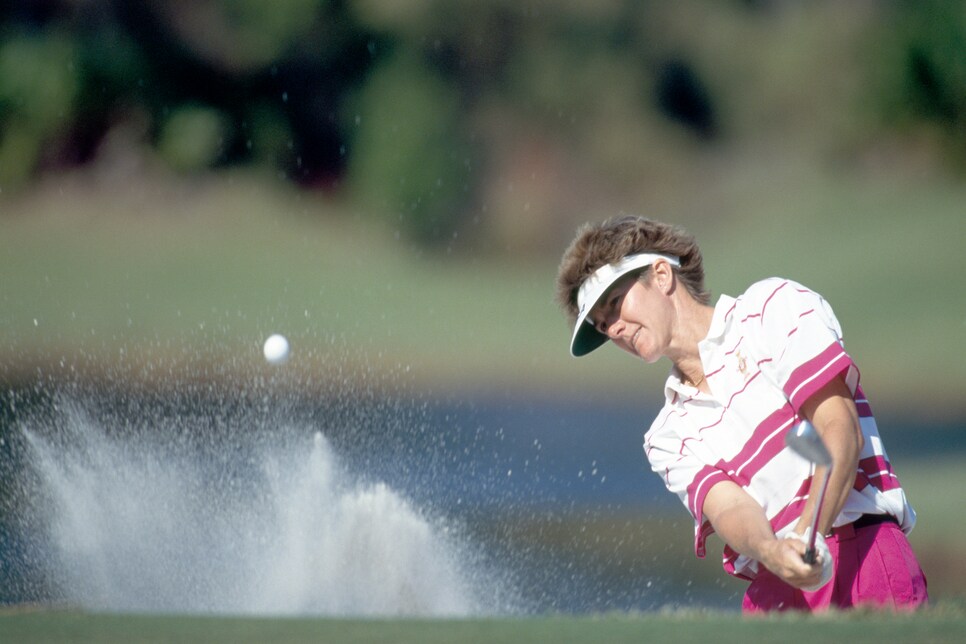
x=613, y=307
x=606, y=313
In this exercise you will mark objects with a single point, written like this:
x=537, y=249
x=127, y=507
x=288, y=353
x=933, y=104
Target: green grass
x=940, y=624
x=212, y=273
x=161, y=277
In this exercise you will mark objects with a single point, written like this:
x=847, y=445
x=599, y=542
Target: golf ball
x=276, y=349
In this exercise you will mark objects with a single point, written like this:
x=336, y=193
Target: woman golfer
x=744, y=372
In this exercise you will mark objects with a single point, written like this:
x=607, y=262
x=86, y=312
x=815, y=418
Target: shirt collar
x=719, y=321
x=716, y=332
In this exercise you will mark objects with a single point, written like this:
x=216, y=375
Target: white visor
x=586, y=336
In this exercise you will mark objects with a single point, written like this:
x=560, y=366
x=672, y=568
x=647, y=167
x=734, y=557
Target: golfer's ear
x=662, y=276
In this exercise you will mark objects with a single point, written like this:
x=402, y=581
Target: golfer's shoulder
x=761, y=295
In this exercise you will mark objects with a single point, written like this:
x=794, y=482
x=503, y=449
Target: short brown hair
x=608, y=242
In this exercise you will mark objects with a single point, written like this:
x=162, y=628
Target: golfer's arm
x=832, y=412
x=740, y=521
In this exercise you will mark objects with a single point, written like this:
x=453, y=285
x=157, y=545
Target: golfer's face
x=622, y=315
x=608, y=311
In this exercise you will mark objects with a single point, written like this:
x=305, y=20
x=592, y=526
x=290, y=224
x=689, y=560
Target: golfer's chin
x=640, y=355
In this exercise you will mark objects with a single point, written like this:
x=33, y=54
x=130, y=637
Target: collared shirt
x=765, y=354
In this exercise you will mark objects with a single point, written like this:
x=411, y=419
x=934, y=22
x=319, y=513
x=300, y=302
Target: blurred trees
x=450, y=117
x=38, y=97
x=206, y=84
x=924, y=63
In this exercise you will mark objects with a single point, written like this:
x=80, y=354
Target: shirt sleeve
x=800, y=340
x=686, y=475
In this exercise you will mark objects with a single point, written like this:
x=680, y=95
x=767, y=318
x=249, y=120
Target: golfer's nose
x=614, y=327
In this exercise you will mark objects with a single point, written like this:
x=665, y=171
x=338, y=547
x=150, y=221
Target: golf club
x=805, y=441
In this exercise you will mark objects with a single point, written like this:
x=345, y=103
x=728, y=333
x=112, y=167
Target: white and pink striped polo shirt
x=766, y=352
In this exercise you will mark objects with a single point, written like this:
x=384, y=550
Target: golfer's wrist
x=768, y=552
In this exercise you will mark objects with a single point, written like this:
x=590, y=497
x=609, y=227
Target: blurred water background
x=390, y=185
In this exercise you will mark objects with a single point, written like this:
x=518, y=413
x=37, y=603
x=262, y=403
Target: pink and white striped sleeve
x=686, y=475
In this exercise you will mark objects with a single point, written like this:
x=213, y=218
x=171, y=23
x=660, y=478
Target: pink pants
x=874, y=566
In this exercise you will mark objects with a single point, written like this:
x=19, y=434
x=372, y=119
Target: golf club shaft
x=810, y=548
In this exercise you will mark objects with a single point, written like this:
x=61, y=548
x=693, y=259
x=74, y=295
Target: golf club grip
x=809, y=556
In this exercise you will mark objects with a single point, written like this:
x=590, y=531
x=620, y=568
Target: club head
x=806, y=442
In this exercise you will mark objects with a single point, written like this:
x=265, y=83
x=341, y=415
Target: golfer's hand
x=785, y=559
x=823, y=557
